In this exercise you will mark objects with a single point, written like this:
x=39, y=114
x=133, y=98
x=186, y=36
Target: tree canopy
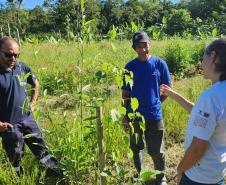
x=64, y=16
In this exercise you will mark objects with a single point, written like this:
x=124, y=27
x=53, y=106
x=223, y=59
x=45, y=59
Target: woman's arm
x=168, y=91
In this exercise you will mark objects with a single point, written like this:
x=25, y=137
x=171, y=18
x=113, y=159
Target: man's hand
x=125, y=122
x=5, y=126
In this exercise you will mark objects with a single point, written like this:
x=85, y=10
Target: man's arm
x=34, y=95
x=125, y=103
x=192, y=155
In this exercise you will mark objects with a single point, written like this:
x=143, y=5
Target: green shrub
x=177, y=56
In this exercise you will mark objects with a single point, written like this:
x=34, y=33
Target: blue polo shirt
x=147, y=78
x=13, y=93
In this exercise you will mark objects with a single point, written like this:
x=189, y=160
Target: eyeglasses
x=10, y=55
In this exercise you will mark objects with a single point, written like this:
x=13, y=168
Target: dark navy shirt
x=13, y=93
x=147, y=78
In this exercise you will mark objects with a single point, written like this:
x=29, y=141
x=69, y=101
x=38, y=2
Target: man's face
x=8, y=54
x=142, y=49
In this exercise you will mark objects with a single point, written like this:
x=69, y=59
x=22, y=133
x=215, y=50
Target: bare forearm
x=34, y=93
x=186, y=104
x=193, y=154
x=190, y=159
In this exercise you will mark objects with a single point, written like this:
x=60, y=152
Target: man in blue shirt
x=149, y=72
x=16, y=119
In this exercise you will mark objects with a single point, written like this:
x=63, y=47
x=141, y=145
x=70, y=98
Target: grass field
x=71, y=86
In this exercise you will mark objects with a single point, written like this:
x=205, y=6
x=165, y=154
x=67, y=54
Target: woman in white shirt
x=204, y=161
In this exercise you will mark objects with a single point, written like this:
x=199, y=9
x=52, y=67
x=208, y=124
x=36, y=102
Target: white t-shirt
x=208, y=122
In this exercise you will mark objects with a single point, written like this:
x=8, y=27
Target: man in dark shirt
x=16, y=118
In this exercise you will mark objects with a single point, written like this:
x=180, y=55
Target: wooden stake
x=100, y=142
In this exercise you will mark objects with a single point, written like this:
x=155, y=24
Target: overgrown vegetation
x=57, y=68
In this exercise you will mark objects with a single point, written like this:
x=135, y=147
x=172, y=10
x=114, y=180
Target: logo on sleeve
x=201, y=119
x=204, y=114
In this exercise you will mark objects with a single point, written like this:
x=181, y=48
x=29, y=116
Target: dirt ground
x=174, y=154
x=173, y=157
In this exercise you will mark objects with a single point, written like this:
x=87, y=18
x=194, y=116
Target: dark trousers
x=186, y=181
x=13, y=140
x=155, y=145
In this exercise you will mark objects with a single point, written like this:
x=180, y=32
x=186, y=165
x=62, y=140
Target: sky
x=29, y=4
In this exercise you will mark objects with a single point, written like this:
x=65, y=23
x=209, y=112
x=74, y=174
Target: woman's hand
x=166, y=90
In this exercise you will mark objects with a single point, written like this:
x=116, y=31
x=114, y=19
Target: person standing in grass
x=16, y=121
x=149, y=72
x=204, y=161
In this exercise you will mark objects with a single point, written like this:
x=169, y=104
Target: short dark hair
x=3, y=40
x=219, y=47
x=140, y=37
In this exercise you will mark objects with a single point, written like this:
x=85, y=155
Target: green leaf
x=127, y=79
x=134, y=104
x=164, y=20
x=119, y=81
x=122, y=110
x=214, y=32
x=131, y=127
x=134, y=27
x=126, y=139
x=92, y=21
x=130, y=115
x=25, y=107
x=130, y=153
x=36, y=114
x=29, y=135
x=90, y=118
x=82, y=5
x=26, y=76
x=146, y=175
x=112, y=33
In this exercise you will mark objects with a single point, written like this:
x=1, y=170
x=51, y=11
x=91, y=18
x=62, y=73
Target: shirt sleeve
x=165, y=77
x=31, y=77
x=204, y=118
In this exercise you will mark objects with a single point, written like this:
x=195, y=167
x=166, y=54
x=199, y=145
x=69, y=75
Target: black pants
x=155, y=145
x=13, y=140
x=186, y=181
